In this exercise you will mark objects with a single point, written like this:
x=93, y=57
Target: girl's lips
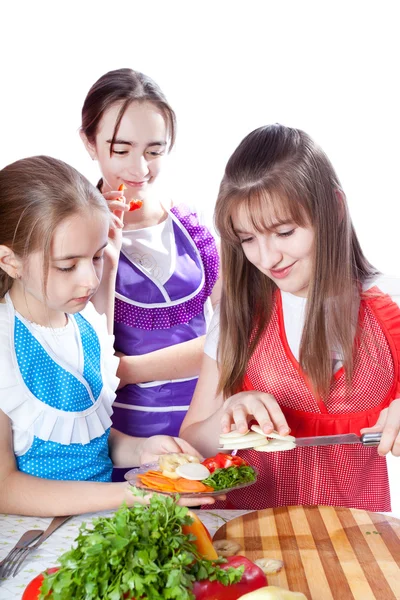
x=82, y=299
x=281, y=273
x=135, y=184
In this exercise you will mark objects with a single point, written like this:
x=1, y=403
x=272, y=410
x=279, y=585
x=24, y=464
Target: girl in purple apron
x=169, y=261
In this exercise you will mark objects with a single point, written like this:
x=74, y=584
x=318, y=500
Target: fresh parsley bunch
x=140, y=552
x=222, y=479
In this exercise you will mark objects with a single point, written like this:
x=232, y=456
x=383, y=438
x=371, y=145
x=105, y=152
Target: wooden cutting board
x=328, y=553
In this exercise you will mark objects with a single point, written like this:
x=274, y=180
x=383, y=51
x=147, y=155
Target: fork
x=55, y=524
x=25, y=540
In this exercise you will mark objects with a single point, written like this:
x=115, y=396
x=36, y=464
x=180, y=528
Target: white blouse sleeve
x=388, y=285
x=110, y=362
x=212, y=337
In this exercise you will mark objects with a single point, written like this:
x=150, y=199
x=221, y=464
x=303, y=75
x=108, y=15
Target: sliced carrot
x=122, y=187
x=187, y=485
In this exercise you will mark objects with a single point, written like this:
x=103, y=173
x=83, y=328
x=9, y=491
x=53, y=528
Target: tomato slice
x=223, y=461
x=228, y=460
x=211, y=464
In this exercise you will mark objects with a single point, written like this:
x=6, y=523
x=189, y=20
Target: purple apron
x=150, y=316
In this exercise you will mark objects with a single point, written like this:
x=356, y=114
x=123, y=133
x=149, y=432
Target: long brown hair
x=123, y=86
x=280, y=170
x=36, y=194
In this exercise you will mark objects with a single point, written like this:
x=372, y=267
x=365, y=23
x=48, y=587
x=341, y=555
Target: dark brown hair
x=124, y=86
x=36, y=195
x=279, y=171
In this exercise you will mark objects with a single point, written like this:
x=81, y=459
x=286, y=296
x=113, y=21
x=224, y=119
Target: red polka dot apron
x=344, y=475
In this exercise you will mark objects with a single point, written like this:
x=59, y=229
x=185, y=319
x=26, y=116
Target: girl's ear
x=89, y=146
x=10, y=263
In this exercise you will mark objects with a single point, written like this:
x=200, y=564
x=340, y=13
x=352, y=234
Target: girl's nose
x=90, y=278
x=270, y=255
x=138, y=168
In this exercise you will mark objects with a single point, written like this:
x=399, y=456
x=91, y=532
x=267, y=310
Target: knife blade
x=367, y=439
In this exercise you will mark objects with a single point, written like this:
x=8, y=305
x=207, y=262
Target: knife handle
x=371, y=439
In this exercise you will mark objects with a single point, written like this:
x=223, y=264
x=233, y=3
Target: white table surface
x=12, y=527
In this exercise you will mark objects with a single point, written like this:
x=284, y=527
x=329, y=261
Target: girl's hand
x=117, y=205
x=151, y=448
x=389, y=424
x=258, y=405
x=130, y=499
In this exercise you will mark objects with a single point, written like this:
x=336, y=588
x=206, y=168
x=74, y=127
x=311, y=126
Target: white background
x=330, y=68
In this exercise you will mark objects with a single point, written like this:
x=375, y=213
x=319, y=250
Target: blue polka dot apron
x=70, y=441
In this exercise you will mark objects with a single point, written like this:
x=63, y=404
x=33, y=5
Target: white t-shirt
x=294, y=310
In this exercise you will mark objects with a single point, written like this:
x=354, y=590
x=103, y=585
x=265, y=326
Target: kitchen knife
x=367, y=439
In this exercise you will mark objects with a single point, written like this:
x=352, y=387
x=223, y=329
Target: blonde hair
x=280, y=171
x=36, y=194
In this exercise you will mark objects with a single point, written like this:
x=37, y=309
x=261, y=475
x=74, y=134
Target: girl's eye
x=98, y=258
x=244, y=240
x=66, y=269
x=155, y=153
x=120, y=152
x=286, y=233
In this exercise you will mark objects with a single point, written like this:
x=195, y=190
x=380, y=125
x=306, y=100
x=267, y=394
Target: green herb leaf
x=222, y=479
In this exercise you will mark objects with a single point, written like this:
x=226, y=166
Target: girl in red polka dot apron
x=307, y=340
x=344, y=475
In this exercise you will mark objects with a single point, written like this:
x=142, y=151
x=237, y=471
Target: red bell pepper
x=252, y=579
x=32, y=590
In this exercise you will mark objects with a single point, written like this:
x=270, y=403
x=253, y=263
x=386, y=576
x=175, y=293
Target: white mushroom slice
x=193, y=471
x=276, y=446
x=274, y=434
x=269, y=565
x=226, y=547
x=243, y=444
x=249, y=437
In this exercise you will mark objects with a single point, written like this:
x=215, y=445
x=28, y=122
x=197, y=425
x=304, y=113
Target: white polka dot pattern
x=60, y=389
x=75, y=462
x=47, y=380
x=349, y=476
x=168, y=316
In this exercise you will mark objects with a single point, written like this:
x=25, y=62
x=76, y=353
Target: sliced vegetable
x=252, y=579
x=122, y=187
x=135, y=204
x=211, y=463
x=273, y=434
x=243, y=444
x=193, y=471
x=269, y=565
x=191, y=487
x=202, y=538
x=223, y=461
x=227, y=548
x=275, y=446
x=170, y=462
